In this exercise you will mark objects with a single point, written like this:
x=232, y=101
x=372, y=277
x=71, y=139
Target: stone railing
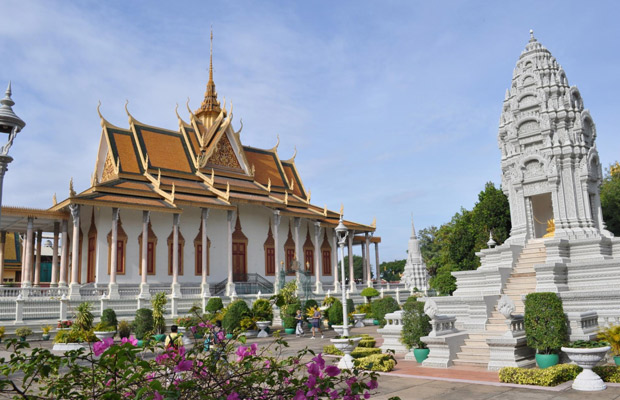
x=391, y=333
x=442, y=325
x=582, y=325
x=444, y=340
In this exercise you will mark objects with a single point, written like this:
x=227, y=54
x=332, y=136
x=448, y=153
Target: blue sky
x=393, y=106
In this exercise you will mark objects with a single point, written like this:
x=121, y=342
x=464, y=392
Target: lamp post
x=342, y=232
x=10, y=124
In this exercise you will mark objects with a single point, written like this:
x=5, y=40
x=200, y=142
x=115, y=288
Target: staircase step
x=470, y=363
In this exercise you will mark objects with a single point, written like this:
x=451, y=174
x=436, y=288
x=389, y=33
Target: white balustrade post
x=318, y=289
x=2, y=243
x=64, y=307
x=19, y=309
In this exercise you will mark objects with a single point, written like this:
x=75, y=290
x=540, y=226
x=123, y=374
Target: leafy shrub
x=24, y=331
x=587, y=344
x=369, y=293
x=109, y=317
x=383, y=306
x=84, y=317
x=2, y=330
x=551, y=376
x=103, y=327
x=261, y=309
x=416, y=324
x=376, y=362
x=612, y=336
x=367, y=343
x=124, y=329
x=75, y=336
x=237, y=311
x=358, y=352
x=350, y=307
x=309, y=305
x=364, y=308
x=46, y=329
x=329, y=300
x=143, y=324
x=214, y=305
x=159, y=308
x=608, y=373
x=334, y=313
x=288, y=322
x=545, y=323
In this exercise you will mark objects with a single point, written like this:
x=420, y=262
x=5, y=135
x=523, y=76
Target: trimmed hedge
x=237, y=311
x=359, y=352
x=367, y=343
x=214, y=305
x=262, y=310
x=608, y=373
x=383, y=306
x=551, y=376
x=143, y=325
x=416, y=324
x=545, y=323
x=108, y=317
x=334, y=313
x=376, y=362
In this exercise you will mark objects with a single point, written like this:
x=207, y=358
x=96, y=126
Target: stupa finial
x=532, y=38
x=412, y=227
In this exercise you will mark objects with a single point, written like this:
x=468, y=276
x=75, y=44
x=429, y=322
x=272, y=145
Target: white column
x=230, y=285
x=144, y=286
x=298, y=255
x=335, y=260
x=377, y=262
x=367, y=259
x=204, y=215
x=318, y=289
x=276, y=242
x=2, y=243
x=176, y=288
x=64, y=255
x=363, y=247
x=37, y=264
x=26, y=279
x=352, y=285
x=54, y=280
x=74, y=286
x=113, y=286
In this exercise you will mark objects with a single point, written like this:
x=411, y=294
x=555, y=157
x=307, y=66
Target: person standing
x=299, y=329
x=316, y=323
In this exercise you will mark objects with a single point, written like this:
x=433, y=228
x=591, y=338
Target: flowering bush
x=64, y=324
x=231, y=370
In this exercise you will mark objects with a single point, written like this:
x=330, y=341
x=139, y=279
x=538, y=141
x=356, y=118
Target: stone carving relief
x=527, y=101
x=535, y=188
x=528, y=126
x=430, y=308
x=224, y=155
x=108, y=169
x=506, y=306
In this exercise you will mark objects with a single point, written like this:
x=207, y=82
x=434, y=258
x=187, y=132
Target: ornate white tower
x=415, y=274
x=550, y=166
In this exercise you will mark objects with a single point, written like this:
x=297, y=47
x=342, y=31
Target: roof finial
x=211, y=57
x=532, y=38
x=412, y=227
x=210, y=105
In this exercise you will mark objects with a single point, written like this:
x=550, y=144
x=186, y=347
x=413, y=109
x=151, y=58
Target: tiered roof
x=203, y=164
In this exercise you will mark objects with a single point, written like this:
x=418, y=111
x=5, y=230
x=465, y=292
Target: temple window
x=309, y=253
x=92, y=250
x=198, y=253
x=270, y=254
x=150, y=252
x=289, y=252
x=326, y=255
x=170, y=252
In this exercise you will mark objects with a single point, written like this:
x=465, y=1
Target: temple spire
x=412, y=228
x=210, y=107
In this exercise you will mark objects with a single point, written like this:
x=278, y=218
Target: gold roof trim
x=34, y=212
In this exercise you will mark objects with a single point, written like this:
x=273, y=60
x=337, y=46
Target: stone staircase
x=522, y=280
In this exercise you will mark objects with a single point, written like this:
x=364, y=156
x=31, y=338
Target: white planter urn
x=69, y=346
x=263, y=325
x=251, y=333
x=104, y=334
x=346, y=346
x=587, y=380
x=339, y=329
x=359, y=320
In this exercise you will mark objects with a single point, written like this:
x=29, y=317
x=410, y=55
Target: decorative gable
x=224, y=155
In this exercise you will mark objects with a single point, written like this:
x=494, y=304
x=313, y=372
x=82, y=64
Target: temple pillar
x=26, y=280
x=37, y=264
x=64, y=255
x=54, y=279
x=352, y=285
x=363, y=247
x=113, y=286
x=318, y=288
x=367, y=266
x=335, y=260
x=298, y=256
x=2, y=243
x=230, y=285
x=176, y=288
x=74, y=286
x=144, y=286
x=276, y=241
x=377, y=261
x=204, y=285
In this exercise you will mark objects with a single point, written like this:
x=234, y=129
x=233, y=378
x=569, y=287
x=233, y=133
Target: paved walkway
x=411, y=381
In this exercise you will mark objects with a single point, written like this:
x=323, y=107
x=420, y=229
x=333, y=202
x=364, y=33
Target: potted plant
x=248, y=325
x=23, y=333
x=261, y=309
x=124, y=329
x=2, y=330
x=369, y=293
x=64, y=324
x=46, y=329
x=103, y=331
x=545, y=326
x=73, y=339
x=586, y=354
x=416, y=324
x=612, y=336
x=346, y=345
x=143, y=324
x=366, y=309
x=158, y=302
x=109, y=318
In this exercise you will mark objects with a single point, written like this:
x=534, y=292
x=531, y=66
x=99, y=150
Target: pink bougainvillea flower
x=253, y=349
x=366, y=395
x=157, y=396
x=313, y=369
x=332, y=370
x=267, y=363
x=193, y=329
x=185, y=365
x=300, y=395
x=221, y=336
x=130, y=339
x=372, y=384
x=109, y=382
x=311, y=382
x=319, y=360
x=100, y=347
x=333, y=394
x=233, y=396
x=160, y=359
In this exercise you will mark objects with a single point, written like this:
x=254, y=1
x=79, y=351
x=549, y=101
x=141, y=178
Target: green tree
x=358, y=271
x=610, y=199
x=391, y=270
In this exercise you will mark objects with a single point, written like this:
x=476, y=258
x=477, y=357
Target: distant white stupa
x=415, y=274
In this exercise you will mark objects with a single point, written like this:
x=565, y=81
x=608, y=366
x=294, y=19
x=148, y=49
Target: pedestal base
x=113, y=291
x=74, y=291
x=230, y=289
x=588, y=381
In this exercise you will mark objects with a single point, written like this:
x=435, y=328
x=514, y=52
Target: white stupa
x=415, y=274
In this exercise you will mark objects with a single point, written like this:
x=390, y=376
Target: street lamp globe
x=10, y=123
x=341, y=231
